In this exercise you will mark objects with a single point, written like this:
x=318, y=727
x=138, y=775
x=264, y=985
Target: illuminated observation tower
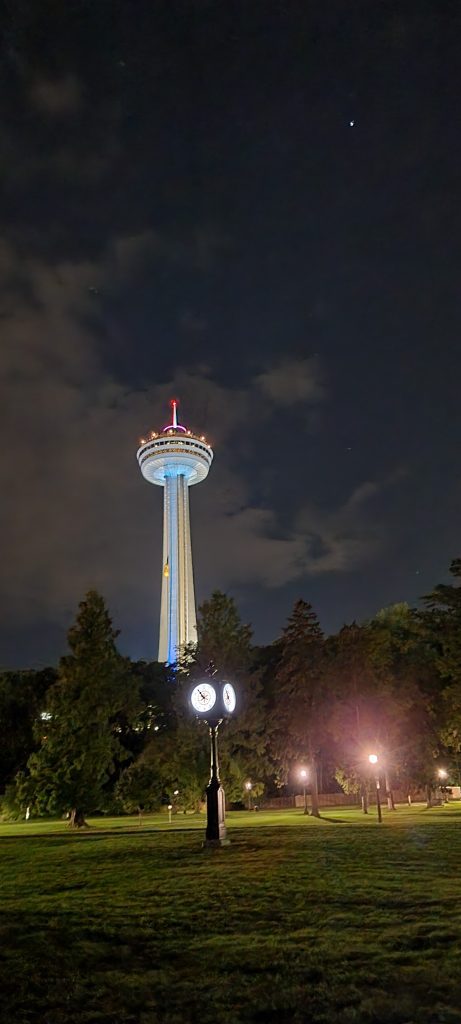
x=175, y=459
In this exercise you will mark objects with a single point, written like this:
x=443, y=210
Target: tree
x=179, y=758
x=94, y=696
x=224, y=642
x=22, y=699
x=404, y=656
x=139, y=788
x=155, y=682
x=222, y=637
x=443, y=631
x=444, y=604
x=354, y=716
x=300, y=705
x=227, y=642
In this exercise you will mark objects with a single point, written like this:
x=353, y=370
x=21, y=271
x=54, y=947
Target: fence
x=329, y=800
x=278, y=803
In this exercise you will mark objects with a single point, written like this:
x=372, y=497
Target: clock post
x=214, y=701
x=215, y=834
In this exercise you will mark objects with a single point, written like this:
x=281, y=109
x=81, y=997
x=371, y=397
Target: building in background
x=175, y=459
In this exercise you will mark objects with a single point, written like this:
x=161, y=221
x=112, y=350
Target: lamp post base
x=216, y=833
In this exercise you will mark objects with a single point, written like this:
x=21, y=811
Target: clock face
x=228, y=696
x=203, y=697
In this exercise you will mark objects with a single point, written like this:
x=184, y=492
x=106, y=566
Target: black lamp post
x=442, y=774
x=303, y=776
x=214, y=701
x=373, y=759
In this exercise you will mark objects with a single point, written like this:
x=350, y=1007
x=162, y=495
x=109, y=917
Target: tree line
x=102, y=733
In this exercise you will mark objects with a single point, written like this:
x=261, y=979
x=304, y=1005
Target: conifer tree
x=300, y=705
x=222, y=636
x=225, y=643
x=94, y=695
x=444, y=605
x=443, y=631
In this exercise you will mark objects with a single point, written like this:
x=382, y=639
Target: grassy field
x=298, y=920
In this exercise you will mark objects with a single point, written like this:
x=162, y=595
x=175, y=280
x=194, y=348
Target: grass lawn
x=298, y=920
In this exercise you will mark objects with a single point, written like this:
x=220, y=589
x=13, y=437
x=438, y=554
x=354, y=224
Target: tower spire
x=174, y=425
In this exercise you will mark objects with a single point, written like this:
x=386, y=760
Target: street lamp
x=214, y=701
x=303, y=777
x=248, y=787
x=373, y=759
x=442, y=774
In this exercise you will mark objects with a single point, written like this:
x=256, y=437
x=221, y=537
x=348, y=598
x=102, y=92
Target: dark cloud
x=197, y=249
x=75, y=511
x=57, y=97
x=293, y=380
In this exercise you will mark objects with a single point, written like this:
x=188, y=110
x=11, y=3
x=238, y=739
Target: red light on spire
x=174, y=425
x=174, y=405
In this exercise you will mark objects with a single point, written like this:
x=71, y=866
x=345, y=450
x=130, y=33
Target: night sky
x=254, y=207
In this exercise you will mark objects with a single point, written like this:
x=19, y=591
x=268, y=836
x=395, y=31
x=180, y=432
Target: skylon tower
x=175, y=459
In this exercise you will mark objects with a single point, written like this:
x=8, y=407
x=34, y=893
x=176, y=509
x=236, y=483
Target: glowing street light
x=303, y=777
x=249, y=787
x=373, y=759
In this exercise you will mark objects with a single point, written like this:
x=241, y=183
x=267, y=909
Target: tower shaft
x=178, y=624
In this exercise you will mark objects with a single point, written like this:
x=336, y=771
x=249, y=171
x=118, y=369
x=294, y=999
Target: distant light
x=248, y=785
x=442, y=773
x=175, y=792
x=303, y=773
x=156, y=728
x=373, y=758
x=45, y=716
x=351, y=124
x=202, y=438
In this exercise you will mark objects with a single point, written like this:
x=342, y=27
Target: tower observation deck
x=175, y=459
